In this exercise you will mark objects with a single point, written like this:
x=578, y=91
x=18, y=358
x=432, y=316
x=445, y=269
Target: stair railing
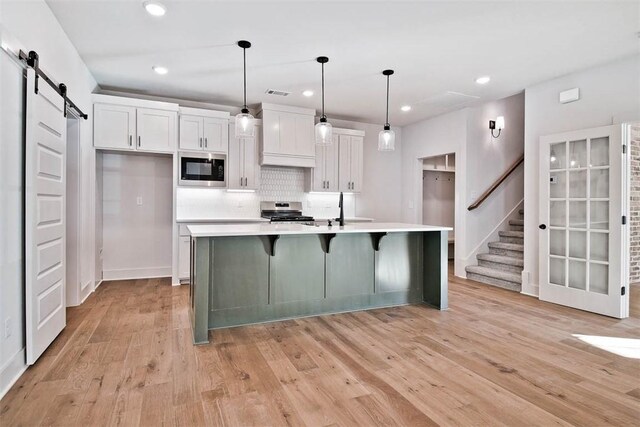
x=496, y=184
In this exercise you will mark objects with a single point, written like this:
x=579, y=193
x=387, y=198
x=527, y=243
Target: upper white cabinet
x=243, y=166
x=325, y=175
x=287, y=136
x=127, y=124
x=204, y=130
x=351, y=153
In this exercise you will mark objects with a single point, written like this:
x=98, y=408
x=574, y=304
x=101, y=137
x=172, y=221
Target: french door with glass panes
x=581, y=230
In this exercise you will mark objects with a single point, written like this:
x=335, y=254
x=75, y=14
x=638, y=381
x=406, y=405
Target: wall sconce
x=498, y=123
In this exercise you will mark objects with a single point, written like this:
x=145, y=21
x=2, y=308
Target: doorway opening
x=439, y=194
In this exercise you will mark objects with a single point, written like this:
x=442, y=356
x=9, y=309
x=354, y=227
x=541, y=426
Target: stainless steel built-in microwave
x=203, y=169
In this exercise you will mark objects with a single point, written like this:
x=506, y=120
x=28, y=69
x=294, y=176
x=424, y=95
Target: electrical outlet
x=7, y=327
x=139, y=200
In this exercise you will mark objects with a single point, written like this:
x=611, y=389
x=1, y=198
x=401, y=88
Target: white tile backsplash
x=276, y=184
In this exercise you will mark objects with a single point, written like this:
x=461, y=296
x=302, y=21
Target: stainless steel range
x=285, y=212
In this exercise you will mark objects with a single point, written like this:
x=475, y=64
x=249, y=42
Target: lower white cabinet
x=184, y=256
x=243, y=161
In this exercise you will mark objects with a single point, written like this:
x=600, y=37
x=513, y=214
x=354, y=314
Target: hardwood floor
x=495, y=358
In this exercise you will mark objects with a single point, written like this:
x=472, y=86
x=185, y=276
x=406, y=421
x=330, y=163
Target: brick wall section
x=634, y=221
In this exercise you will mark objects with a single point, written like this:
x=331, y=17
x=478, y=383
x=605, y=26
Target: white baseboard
x=11, y=371
x=136, y=273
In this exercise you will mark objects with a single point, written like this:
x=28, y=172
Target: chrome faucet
x=341, y=206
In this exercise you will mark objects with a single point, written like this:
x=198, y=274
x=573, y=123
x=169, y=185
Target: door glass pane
x=578, y=184
x=578, y=154
x=578, y=214
x=558, y=185
x=557, y=156
x=599, y=219
x=578, y=244
x=557, y=242
x=599, y=247
x=557, y=214
x=598, y=278
x=599, y=183
x=577, y=274
x=599, y=151
x=556, y=271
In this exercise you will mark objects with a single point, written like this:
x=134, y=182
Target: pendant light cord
x=387, y=116
x=323, y=90
x=244, y=60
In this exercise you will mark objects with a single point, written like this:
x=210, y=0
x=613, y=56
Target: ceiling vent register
x=277, y=92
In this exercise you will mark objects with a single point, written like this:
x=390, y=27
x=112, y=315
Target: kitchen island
x=251, y=273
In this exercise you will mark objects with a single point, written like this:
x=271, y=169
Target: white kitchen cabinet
x=114, y=127
x=156, y=130
x=325, y=176
x=351, y=153
x=287, y=136
x=243, y=166
x=127, y=124
x=191, y=133
x=202, y=133
x=184, y=256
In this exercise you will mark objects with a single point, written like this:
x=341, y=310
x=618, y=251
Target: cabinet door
x=344, y=162
x=184, y=255
x=216, y=135
x=331, y=162
x=250, y=162
x=357, y=153
x=114, y=127
x=156, y=130
x=319, y=182
x=191, y=133
x=235, y=161
x=271, y=131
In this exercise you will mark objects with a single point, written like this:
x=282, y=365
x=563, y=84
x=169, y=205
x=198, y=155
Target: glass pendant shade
x=386, y=140
x=324, y=133
x=244, y=125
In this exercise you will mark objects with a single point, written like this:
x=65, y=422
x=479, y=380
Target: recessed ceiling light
x=308, y=93
x=406, y=108
x=160, y=70
x=483, y=80
x=154, y=8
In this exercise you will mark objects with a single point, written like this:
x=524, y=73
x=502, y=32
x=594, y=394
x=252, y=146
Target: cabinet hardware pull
x=139, y=141
x=200, y=142
x=130, y=140
x=245, y=181
x=206, y=144
x=240, y=181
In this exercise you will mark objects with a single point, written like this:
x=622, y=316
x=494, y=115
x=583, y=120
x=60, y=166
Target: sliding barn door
x=44, y=216
x=582, y=234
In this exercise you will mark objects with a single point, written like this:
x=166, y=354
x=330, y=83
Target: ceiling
x=437, y=49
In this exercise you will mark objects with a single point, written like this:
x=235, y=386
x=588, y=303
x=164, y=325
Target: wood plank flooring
x=495, y=358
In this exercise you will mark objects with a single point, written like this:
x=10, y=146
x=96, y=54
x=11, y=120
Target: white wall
x=30, y=25
x=11, y=219
x=479, y=161
x=137, y=216
x=609, y=94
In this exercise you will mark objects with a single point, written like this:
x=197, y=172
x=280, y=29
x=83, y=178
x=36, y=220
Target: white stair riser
x=495, y=282
x=516, y=227
x=500, y=266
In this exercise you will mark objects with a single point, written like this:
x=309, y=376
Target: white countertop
x=220, y=220
x=347, y=219
x=219, y=230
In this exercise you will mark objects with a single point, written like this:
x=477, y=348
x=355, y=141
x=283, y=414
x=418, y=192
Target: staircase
x=503, y=265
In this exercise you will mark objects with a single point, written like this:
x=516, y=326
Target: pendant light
x=244, y=120
x=324, y=130
x=387, y=137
